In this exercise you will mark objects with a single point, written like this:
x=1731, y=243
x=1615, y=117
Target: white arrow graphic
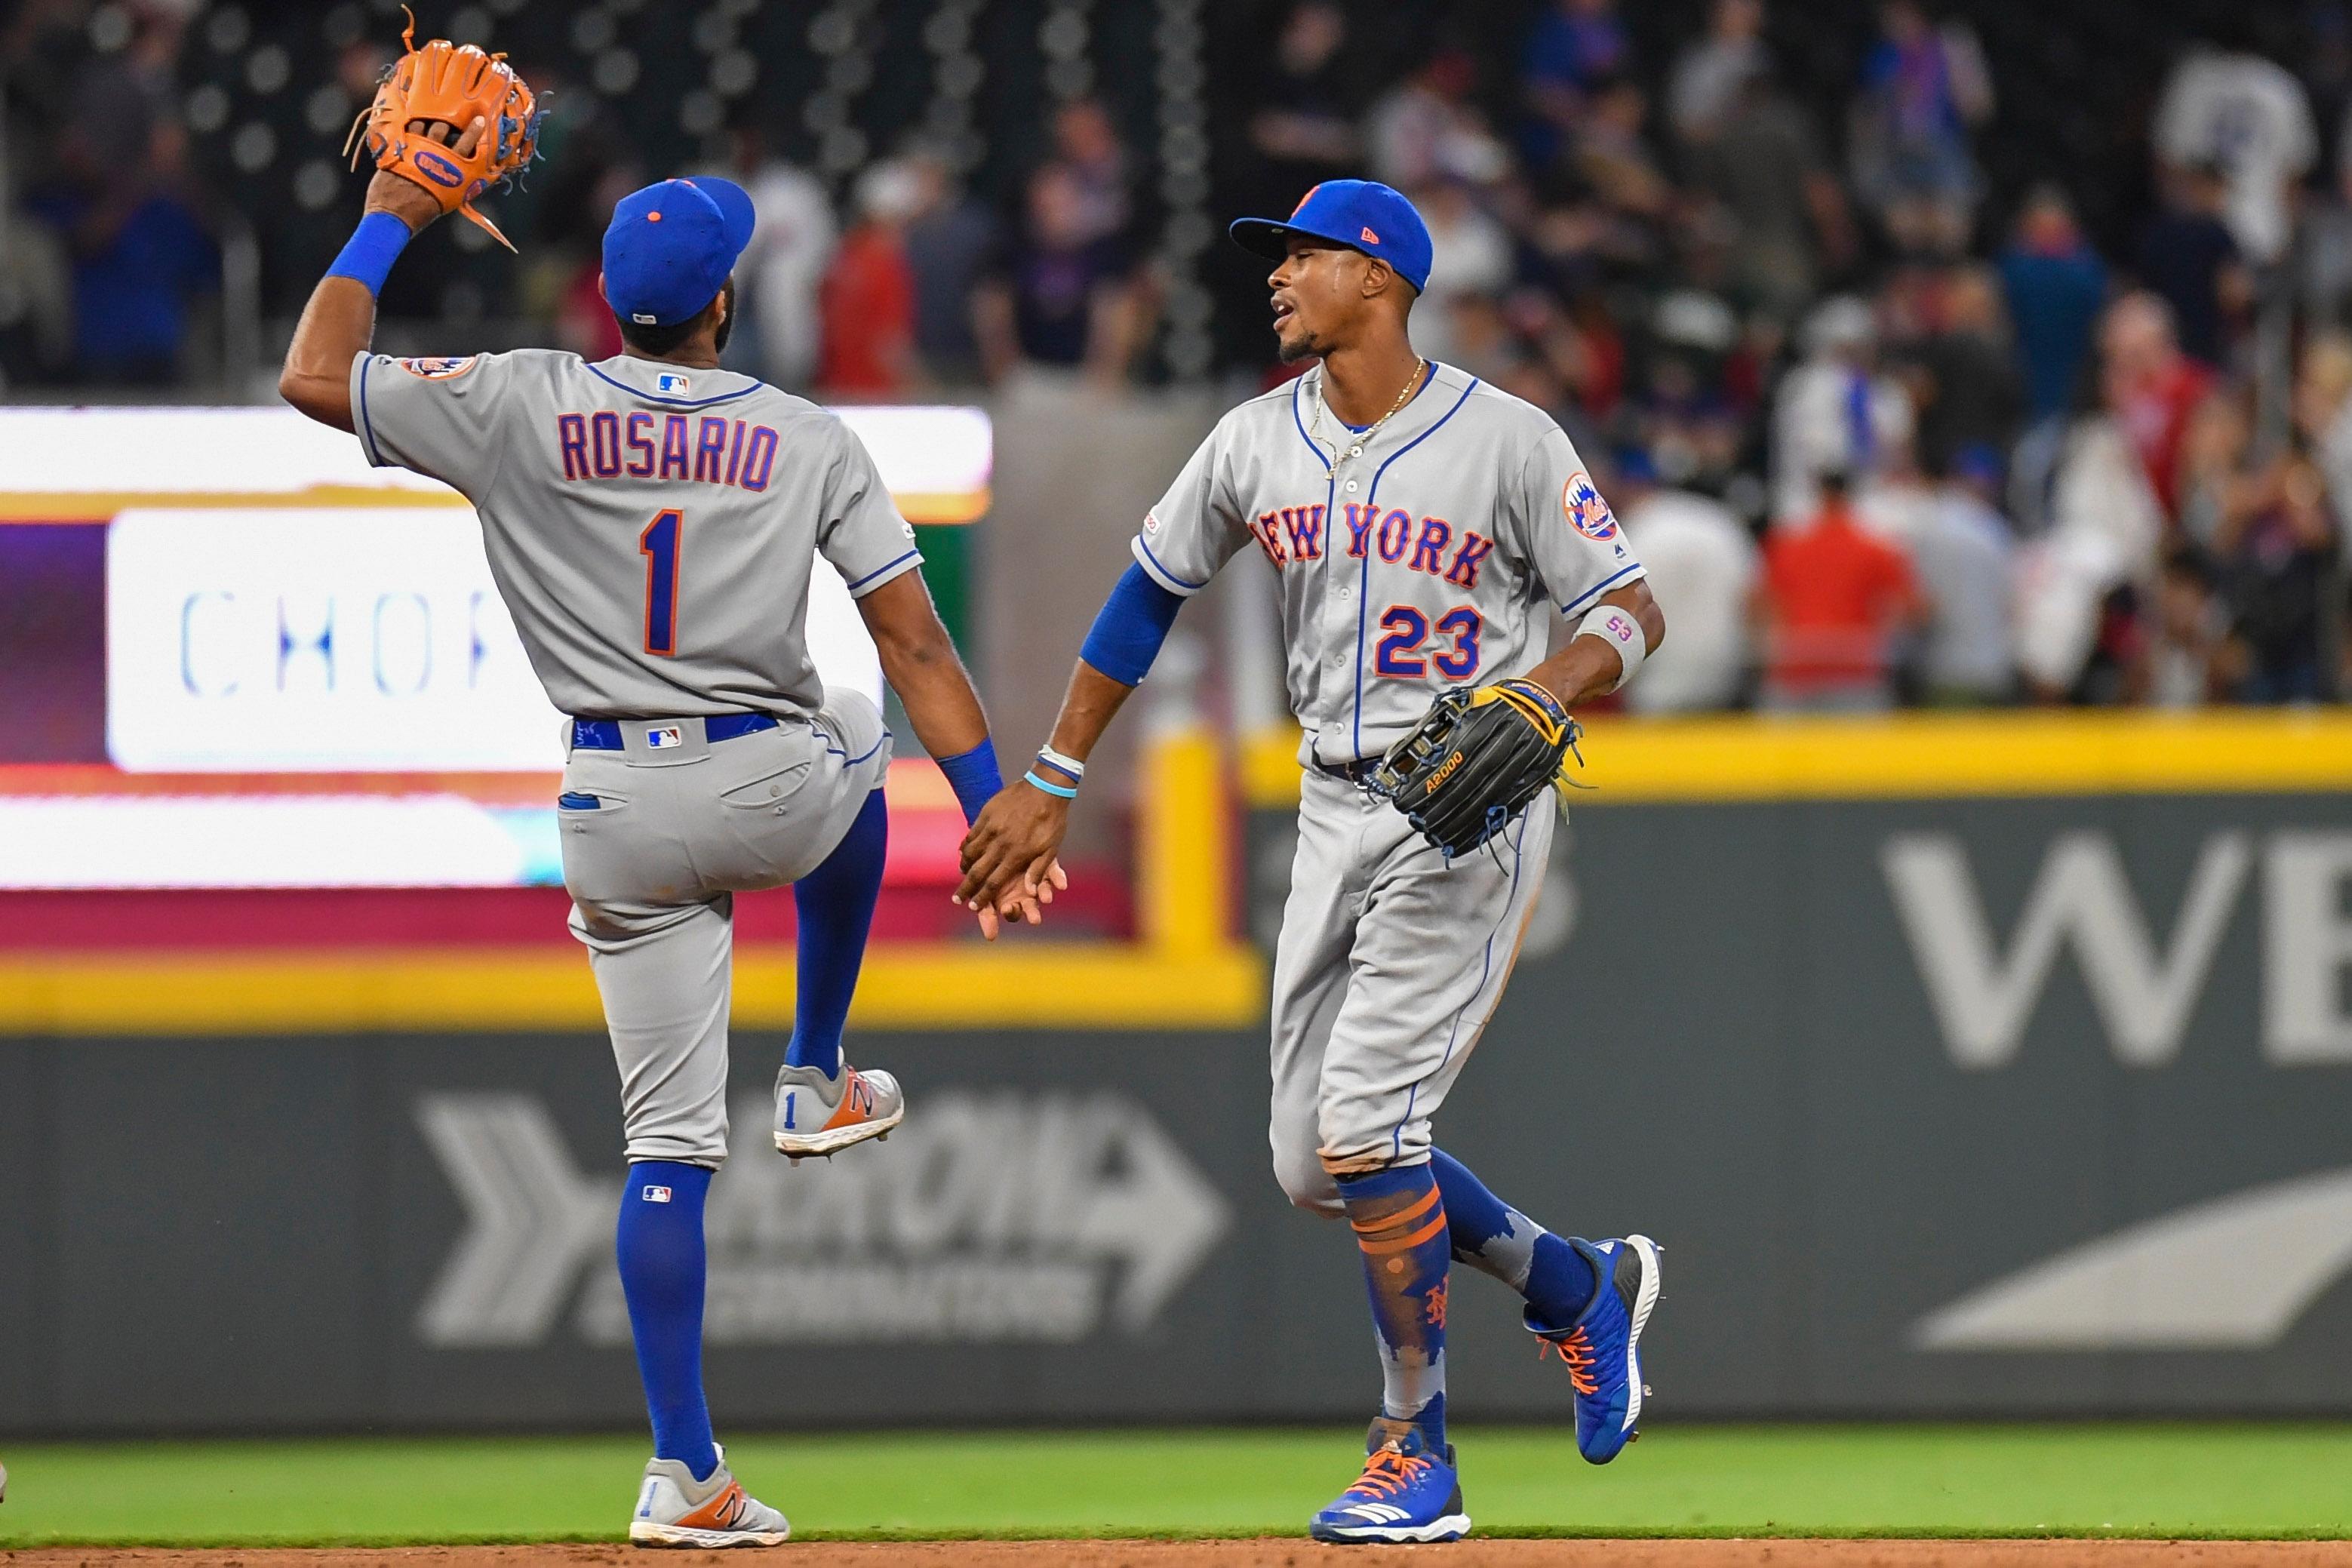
x=2153, y=1285
x=983, y=1187
x=1163, y=1216
x=533, y=1220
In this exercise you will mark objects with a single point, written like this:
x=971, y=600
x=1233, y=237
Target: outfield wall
x=1944, y=1100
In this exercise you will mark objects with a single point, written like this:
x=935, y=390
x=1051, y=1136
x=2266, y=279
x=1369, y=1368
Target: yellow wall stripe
x=962, y=987
x=2023, y=752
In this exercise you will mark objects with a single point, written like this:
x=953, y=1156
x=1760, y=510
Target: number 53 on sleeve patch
x=436, y=369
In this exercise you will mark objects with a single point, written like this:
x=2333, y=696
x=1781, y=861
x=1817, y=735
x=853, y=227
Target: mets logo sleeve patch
x=437, y=369
x=1586, y=511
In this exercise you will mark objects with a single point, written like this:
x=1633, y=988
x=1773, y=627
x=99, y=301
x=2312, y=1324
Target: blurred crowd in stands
x=1886, y=429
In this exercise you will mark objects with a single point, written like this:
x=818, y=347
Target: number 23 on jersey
x=1401, y=654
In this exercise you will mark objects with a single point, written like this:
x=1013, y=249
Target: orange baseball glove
x=424, y=105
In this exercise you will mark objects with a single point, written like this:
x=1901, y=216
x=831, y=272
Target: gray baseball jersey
x=651, y=528
x=1428, y=553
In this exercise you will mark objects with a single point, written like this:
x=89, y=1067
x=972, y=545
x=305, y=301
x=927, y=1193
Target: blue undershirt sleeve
x=1133, y=623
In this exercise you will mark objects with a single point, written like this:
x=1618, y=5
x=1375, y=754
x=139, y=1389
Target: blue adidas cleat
x=1602, y=1347
x=1408, y=1492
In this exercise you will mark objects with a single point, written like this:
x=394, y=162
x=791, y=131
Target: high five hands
x=1012, y=867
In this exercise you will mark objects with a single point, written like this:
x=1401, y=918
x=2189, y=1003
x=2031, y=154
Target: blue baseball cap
x=670, y=246
x=1362, y=215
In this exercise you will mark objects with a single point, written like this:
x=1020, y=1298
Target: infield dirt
x=1266, y=1552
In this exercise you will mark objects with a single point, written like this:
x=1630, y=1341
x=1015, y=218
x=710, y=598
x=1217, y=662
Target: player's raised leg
x=823, y=1104
x=1588, y=1301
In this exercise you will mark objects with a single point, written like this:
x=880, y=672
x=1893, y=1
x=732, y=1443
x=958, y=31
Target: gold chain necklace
x=1315, y=433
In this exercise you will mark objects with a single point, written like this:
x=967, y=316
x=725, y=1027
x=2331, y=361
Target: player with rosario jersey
x=652, y=523
x=1423, y=528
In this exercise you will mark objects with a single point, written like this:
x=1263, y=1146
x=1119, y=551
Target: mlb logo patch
x=1587, y=512
x=667, y=736
x=670, y=381
x=656, y=1195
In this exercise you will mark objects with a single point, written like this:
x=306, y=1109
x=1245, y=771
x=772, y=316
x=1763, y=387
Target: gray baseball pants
x=1388, y=965
x=652, y=867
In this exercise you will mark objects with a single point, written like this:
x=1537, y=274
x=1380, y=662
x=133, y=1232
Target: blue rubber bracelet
x=372, y=249
x=1066, y=794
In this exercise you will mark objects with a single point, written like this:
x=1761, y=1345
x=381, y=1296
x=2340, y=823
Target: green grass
x=2172, y=1479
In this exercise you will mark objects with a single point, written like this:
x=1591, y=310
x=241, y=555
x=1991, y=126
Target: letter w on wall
x=1984, y=997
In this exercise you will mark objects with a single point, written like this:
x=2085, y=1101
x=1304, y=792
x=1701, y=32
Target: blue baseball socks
x=836, y=903
x=1490, y=1235
x=659, y=1247
x=1400, y=1223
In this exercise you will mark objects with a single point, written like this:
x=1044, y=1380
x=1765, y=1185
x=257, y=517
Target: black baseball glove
x=1475, y=761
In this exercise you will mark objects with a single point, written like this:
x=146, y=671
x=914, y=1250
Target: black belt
x=1356, y=772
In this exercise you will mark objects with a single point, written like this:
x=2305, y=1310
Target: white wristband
x=1620, y=631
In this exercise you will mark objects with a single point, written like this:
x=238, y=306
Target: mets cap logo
x=1305, y=199
x=1585, y=508
x=436, y=369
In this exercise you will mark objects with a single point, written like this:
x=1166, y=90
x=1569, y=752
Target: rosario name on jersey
x=651, y=529
x=1427, y=553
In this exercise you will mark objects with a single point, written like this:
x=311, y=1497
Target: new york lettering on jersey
x=1294, y=535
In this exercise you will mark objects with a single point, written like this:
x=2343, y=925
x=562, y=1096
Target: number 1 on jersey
x=660, y=545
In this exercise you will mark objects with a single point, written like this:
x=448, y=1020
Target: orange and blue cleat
x=1409, y=1491
x=1602, y=1347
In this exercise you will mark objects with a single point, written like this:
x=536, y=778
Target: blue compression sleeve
x=973, y=775
x=369, y=254
x=1134, y=622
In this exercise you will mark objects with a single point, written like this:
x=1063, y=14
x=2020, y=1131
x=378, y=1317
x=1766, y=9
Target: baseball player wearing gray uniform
x=1423, y=527
x=652, y=523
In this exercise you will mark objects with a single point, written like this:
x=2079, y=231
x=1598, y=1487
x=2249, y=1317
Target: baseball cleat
x=821, y=1115
x=1602, y=1347
x=1408, y=1492
x=676, y=1509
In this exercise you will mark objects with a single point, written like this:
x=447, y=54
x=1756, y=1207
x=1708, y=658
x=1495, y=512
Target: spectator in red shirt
x=867, y=303
x=2151, y=387
x=1829, y=606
